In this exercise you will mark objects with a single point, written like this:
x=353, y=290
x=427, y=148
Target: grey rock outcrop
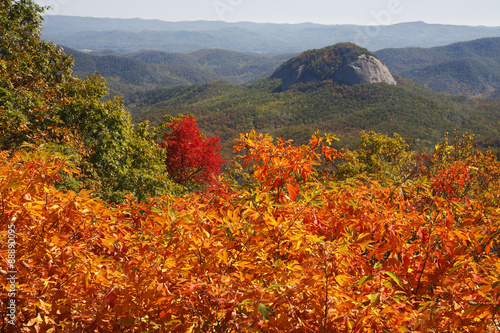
x=290, y=76
x=344, y=68
x=365, y=69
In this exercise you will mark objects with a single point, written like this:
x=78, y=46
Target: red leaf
x=92, y=327
x=229, y=315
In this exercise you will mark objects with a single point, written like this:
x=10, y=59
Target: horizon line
x=271, y=23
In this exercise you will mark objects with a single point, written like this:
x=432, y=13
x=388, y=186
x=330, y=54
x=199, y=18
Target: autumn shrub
x=192, y=159
x=292, y=253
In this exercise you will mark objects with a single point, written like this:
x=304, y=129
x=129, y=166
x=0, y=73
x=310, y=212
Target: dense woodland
x=119, y=227
x=146, y=70
x=468, y=68
x=420, y=115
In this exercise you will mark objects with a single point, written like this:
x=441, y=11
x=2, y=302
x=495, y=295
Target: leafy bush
x=293, y=251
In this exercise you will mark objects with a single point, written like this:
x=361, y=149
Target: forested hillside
x=106, y=226
x=467, y=68
x=419, y=114
x=230, y=66
x=144, y=70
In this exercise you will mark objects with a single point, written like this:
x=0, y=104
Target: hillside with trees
x=466, y=68
x=230, y=66
x=419, y=114
x=98, y=233
x=139, y=71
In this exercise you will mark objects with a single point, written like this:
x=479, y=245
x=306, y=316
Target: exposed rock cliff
x=344, y=63
x=365, y=69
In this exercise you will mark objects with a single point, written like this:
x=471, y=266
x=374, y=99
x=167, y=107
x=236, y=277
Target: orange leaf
x=293, y=191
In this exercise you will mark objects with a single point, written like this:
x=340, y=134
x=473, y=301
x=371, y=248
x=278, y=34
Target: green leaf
x=343, y=249
x=277, y=285
x=395, y=278
x=455, y=268
x=157, y=210
x=365, y=279
x=265, y=311
x=173, y=323
x=352, y=203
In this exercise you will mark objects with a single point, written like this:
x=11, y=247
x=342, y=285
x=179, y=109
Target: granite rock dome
x=345, y=63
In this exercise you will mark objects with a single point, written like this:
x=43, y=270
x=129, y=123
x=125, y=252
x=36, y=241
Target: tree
x=41, y=103
x=192, y=159
x=120, y=158
x=377, y=155
x=33, y=75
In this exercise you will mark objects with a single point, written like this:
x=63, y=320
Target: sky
x=361, y=12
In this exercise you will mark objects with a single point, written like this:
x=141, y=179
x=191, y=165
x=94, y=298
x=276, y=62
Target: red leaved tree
x=192, y=158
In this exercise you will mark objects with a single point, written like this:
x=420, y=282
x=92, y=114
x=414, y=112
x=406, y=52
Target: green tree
x=40, y=103
x=33, y=74
x=376, y=155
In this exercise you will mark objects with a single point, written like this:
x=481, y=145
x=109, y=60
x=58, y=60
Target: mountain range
x=322, y=103
x=230, y=91
x=466, y=68
x=144, y=70
x=469, y=68
x=132, y=35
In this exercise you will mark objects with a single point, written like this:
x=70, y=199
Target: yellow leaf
x=34, y=321
x=246, y=264
x=45, y=306
x=375, y=299
x=343, y=280
x=108, y=242
x=223, y=257
x=349, y=325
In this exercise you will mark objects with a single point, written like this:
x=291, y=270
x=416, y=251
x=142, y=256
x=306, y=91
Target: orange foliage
x=291, y=253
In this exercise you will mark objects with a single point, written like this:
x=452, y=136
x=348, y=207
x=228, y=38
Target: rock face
x=365, y=69
x=290, y=76
x=343, y=63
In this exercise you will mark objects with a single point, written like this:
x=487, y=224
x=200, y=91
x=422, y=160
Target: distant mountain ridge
x=76, y=24
x=132, y=35
x=468, y=68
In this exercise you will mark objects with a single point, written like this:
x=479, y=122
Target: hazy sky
x=363, y=12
